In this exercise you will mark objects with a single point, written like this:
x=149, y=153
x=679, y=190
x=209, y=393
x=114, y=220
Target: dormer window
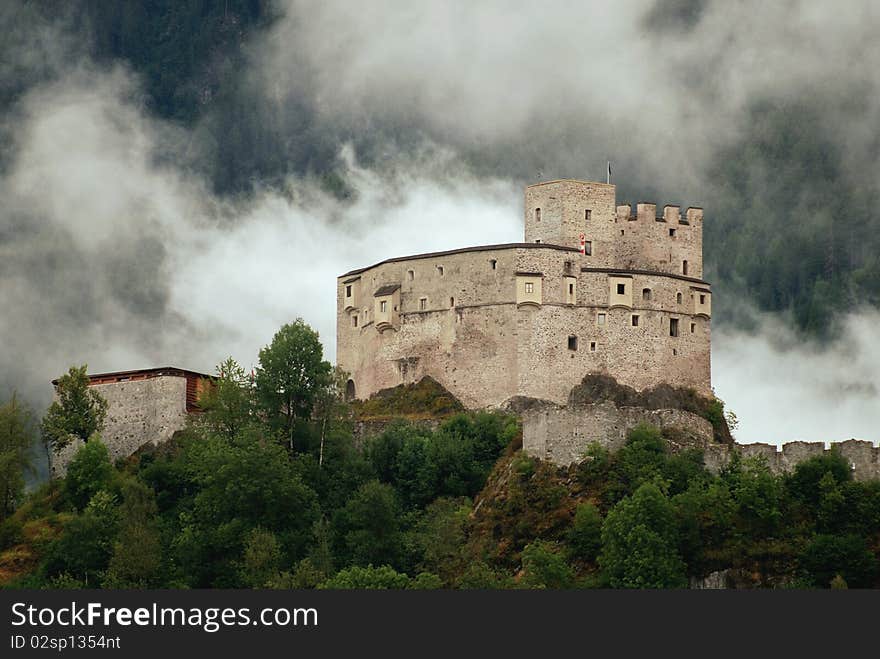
x=621, y=289
x=530, y=287
x=383, y=306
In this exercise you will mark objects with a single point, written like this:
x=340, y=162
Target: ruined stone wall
x=139, y=412
x=562, y=434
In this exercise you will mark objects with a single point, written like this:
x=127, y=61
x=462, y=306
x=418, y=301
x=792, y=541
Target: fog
x=116, y=251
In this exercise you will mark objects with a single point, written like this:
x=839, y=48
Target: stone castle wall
x=562, y=434
x=139, y=412
x=463, y=326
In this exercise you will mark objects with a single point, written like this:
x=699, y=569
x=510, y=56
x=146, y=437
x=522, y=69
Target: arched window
x=678, y=298
x=646, y=294
x=349, y=390
x=684, y=267
x=537, y=215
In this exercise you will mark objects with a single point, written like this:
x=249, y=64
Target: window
x=571, y=289
x=354, y=321
x=622, y=232
x=423, y=303
x=673, y=327
x=646, y=294
x=600, y=319
x=440, y=270
x=537, y=241
x=494, y=264
x=678, y=298
x=588, y=248
x=383, y=306
x=348, y=291
x=572, y=343
x=592, y=346
x=530, y=287
x=411, y=274
x=693, y=328
x=621, y=289
x=537, y=215
x=674, y=352
x=452, y=302
x=587, y=214
x=702, y=299
x=672, y=233
x=635, y=320
x=684, y=267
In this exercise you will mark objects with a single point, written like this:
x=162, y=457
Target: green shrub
x=585, y=536
x=89, y=472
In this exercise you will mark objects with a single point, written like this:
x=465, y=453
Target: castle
x=594, y=288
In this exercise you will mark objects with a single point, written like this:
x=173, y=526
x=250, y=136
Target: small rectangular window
x=672, y=233
x=411, y=274
x=673, y=327
x=423, y=303
x=702, y=299
x=587, y=214
x=572, y=343
x=537, y=241
x=354, y=321
x=621, y=289
x=600, y=319
x=635, y=320
x=452, y=302
x=440, y=270
x=537, y=215
x=693, y=328
x=684, y=267
x=348, y=291
x=530, y=287
x=571, y=289
x=494, y=264
x=588, y=248
x=592, y=346
x=383, y=306
x=646, y=294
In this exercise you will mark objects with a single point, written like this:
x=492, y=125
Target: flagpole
x=609, y=173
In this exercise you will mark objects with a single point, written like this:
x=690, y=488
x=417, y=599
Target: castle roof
x=461, y=250
x=141, y=374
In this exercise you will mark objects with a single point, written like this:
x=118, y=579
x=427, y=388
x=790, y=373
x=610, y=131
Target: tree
x=261, y=559
x=845, y=557
x=370, y=525
x=228, y=403
x=17, y=434
x=77, y=411
x=292, y=369
x=88, y=473
x=329, y=404
x=545, y=567
x=367, y=578
x=137, y=552
x=639, y=542
x=84, y=549
x=585, y=536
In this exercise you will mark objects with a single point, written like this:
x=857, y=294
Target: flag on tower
x=609, y=171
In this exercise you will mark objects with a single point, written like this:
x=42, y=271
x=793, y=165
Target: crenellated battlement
x=647, y=211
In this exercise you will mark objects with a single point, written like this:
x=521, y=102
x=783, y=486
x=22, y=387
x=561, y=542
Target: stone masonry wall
x=139, y=412
x=461, y=325
x=562, y=434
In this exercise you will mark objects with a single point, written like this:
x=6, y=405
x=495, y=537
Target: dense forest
x=270, y=486
x=791, y=219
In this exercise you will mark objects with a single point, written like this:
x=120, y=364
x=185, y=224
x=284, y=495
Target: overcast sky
x=114, y=254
